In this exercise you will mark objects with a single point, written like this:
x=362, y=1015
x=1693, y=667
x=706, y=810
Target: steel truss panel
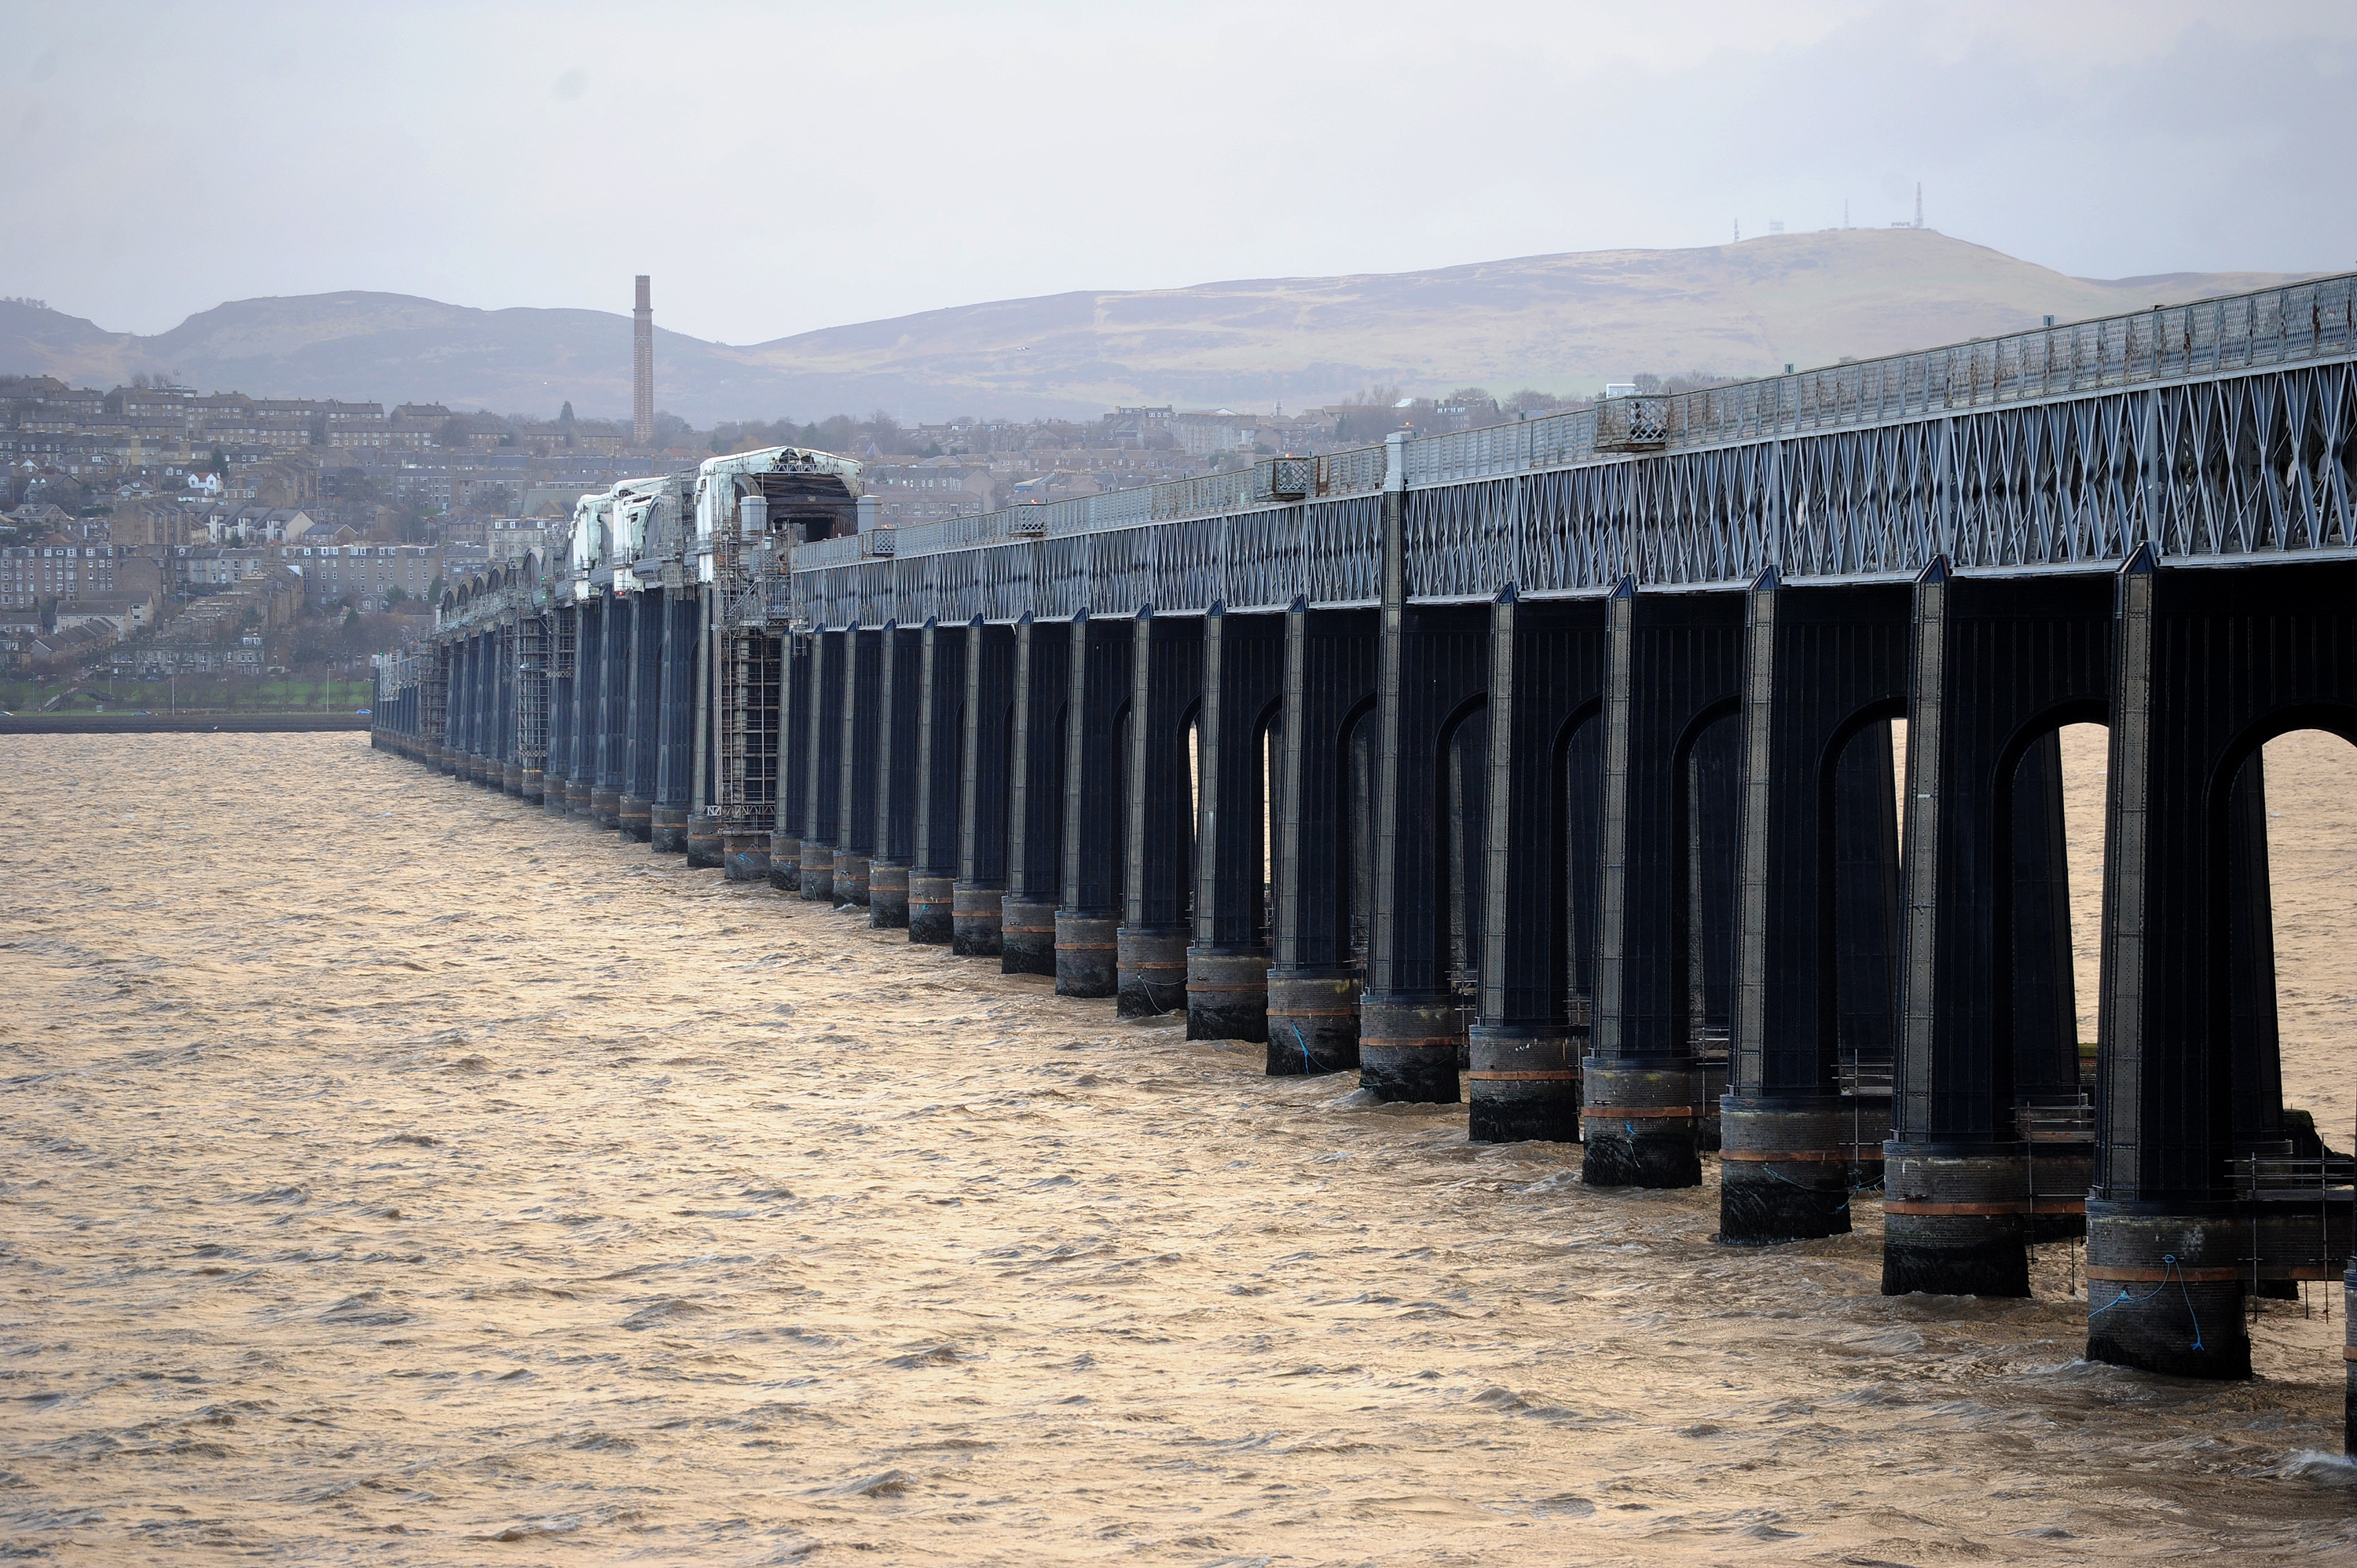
x=2227, y=467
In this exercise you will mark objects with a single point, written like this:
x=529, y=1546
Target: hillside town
x=152, y=532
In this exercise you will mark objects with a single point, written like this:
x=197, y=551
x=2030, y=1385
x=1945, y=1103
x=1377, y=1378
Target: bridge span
x=1550, y=767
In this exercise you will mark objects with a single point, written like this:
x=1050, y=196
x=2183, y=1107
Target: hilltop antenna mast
x=1919, y=204
x=642, y=368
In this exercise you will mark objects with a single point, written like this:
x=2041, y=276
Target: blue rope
x=2168, y=1274
x=1309, y=1068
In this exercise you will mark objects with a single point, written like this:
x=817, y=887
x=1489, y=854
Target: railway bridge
x=1551, y=767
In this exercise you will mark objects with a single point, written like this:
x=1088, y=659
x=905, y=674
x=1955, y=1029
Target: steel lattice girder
x=2227, y=467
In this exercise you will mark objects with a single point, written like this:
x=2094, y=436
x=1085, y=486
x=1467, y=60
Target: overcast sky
x=778, y=167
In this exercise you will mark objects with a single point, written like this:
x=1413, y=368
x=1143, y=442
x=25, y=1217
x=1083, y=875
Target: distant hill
x=1561, y=323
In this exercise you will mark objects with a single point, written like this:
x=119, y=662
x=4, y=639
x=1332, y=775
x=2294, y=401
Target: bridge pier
x=752, y=712
x=613, y=712
x=2211, y=664
x=2045, y=1016
x=798, y=652
x=560, y=709
x=822, y=821
x=461, y=701
x=1816, y=1008
x=641, y=690
x=470, y=756
x=1096, y=829
x=501, y=772
x=532, y=705
x=1537, y=915
x=1672, y=669
x=675, y=725
x=590, y=709
x=1243, y=696
x=1431, y=779
x=941, y=734
x=1998, y=666
x=505, y=650
x=454, y=746
x=988, y=814
x=1025, y=935
x=2260, y=1126
x=1165, y=691
x=483, y=713
x=590, y=670
x=855, y=777
x=442, y=679
x=703, y=842
x=896, y=779
x=1324, y=811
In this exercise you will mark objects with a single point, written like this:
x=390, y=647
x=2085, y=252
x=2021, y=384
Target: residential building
x=57, y=571
x=123, y=613
x=68, y=647
x=513, y=538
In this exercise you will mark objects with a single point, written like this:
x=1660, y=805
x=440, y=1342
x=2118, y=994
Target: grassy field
x=242, y=695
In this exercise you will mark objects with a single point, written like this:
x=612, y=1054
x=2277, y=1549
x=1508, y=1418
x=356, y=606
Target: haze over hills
x=1561, y=323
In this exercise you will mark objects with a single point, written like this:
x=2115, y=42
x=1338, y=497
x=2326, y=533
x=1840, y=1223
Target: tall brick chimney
x=642, y=368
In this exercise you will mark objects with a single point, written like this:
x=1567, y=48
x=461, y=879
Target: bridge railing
x=1867, y=470
x=2226, y=335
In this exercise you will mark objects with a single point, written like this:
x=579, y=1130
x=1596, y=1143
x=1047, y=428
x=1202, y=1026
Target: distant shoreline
x=181, y=724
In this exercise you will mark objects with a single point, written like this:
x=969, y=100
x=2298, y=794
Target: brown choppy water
x=394, y=1175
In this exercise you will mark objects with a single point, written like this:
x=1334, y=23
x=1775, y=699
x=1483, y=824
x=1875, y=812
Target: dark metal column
x=484, y=715
x=2211, y=664
x=1088, y=920
x=634, y=810
x=1546, y=677
x=983, y=789
x=939, y=759
x=2258, y=1117
x=705, y=850
x=613, y=710
x=897, y=775
x=854, y=819
x=676, y=749
x=1324, y=809
x=590, y=674
x=1996, y=665
x=510, y=781
x=1815, y=1011
x=830, y=660
x=1034, y=836
x=471, y=711
x=496, y=705
x=2051, y=1100
x=799, y=649
x=435, y=711
x=1674, y=667
x=459, y=702
x=1166, y=688
x=1244, y=695
x=1431, y=777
